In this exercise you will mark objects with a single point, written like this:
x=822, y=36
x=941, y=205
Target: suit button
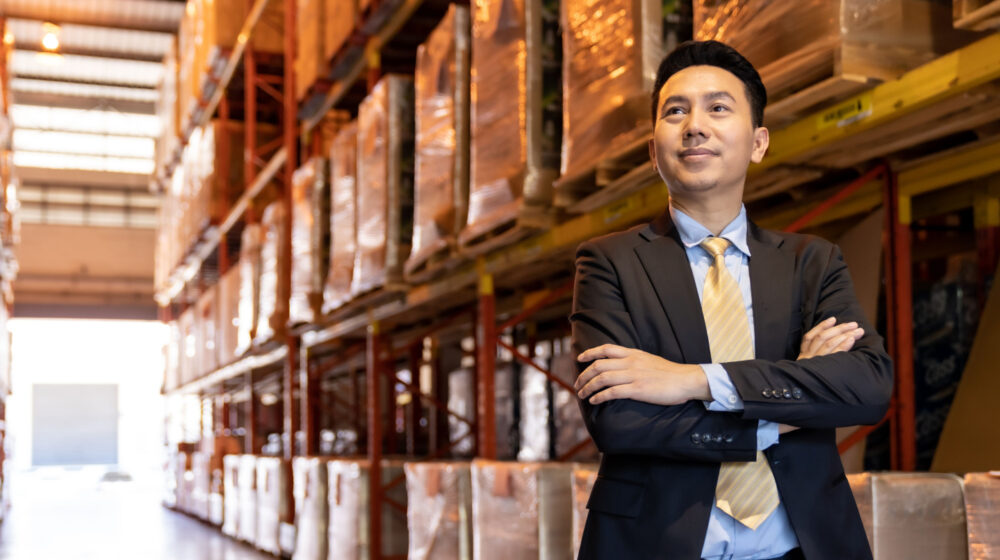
x=706, y=438
x=796, y=393
x=729, y=438
x=696, y=438
x=786, y=393
x=766, y=393
x=717, y=438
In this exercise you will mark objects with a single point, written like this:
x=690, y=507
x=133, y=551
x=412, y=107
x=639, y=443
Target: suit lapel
x=669, y=271
x=771, y=270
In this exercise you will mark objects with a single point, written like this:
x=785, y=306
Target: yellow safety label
x=846, y=113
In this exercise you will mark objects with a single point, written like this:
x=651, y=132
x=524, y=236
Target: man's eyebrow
x=718, y=95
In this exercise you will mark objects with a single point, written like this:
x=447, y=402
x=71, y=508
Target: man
x=717, y=358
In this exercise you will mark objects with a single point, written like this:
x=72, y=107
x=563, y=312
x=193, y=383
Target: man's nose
x=694, y=125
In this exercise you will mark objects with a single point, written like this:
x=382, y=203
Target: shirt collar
x=692, y=233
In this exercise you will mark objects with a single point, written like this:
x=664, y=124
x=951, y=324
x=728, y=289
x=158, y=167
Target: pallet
x=442, y=257
x=522, y=221
x=977, y=15
x=571, y=190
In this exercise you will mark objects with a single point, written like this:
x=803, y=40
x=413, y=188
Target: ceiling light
x=50, y=36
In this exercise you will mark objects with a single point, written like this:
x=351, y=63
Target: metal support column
x=486, y=357
x=374, y=367
x=899, y=299
x=251, y=429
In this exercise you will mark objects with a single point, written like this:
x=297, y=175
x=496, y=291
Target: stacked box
x=439, y=510
x=982, y=510
x=385, y=184
x=273, y=478
x=166, y=108
x=310, y=245
x=206, y=333
x=231, y=495
x=349, y=510
x=249, y=267
x=794, y=45
x=227, y=329
x=312, y=508
x=170, y=479
x=184, y=481
x=189, y=346
x=172, y=373
x=309, y=62
x=246, y=487
x=912, y=515
x=516, y=112
x=536, y=393
x=202, y=478
x=343, y=218
x=521, y=510
x=272, y=305
x=609, y=67
x=441, y=99
x=584, y=476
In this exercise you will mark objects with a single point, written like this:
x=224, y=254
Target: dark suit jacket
x=656, y=485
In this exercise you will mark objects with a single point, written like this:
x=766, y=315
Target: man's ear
x=652, y=154
x=761, y=140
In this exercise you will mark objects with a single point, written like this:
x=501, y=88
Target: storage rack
x=509, y=285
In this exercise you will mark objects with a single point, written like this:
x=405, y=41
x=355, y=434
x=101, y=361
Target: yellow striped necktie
x=745, y=490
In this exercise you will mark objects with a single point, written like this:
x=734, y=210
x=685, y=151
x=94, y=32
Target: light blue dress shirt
x=728, y=539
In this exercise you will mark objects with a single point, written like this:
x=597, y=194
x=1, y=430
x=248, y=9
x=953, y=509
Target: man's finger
x=834, y=332
x=824, y=324
x=603, y=381
x=596, y=368
x=612, y=393
x=603, y=351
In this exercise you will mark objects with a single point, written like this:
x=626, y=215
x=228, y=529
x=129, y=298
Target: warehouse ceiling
x=84, y=129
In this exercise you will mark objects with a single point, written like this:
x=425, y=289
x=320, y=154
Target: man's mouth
x=696, y=154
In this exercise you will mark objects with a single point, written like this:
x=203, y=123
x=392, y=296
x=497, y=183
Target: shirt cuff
x=767, y=434
x=724, y=395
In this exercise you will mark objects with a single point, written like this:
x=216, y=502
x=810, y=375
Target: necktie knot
x=716, y=246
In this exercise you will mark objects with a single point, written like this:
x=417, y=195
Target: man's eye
x=719, y=108
x=674, y=111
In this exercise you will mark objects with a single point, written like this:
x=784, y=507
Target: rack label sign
x=846, y=113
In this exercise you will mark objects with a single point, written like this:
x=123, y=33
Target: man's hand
x=828, y=337
x=627, y=373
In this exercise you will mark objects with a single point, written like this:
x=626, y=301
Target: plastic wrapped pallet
x=206, y=321
x=189, y=346
x=609, y=67
x=441, y=178
x=249, y=266
x=231, y=495
x=584, y=476
x=795, y=45
x=202, y=477
x=246, y=486
x=185, y=481
x=912, y=515
x=535, y=395
x=309, y=61
x=982, y=510
x=340, y=23
x=174, y=350
x=516, y=112
x=461, y=400
x=385, y=184
x=569, y=425
x=439, y=510
x=310, y=230
x=349, y=510
x=312, y=508
x=166, y=107
x=272, y=310
x=521, y=510
x=229, y=305
x=273, y=478
x=343, y=218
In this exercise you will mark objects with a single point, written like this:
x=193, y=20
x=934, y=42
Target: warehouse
x=304, y=278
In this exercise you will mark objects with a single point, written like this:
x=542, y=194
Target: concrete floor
x=60, y=514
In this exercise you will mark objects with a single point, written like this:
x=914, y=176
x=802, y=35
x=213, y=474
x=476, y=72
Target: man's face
x=704, y=138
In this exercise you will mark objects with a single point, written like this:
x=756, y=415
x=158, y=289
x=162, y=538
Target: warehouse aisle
x=64, y=514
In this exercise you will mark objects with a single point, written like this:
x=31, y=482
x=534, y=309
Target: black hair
x=713, y=53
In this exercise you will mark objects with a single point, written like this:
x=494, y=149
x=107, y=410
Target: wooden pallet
x=571, y=190
x=521, y=221
x=977, y=15
x=441, y=258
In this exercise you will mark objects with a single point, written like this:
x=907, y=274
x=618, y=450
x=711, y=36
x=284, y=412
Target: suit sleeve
x=841, y=389
x=624, y=426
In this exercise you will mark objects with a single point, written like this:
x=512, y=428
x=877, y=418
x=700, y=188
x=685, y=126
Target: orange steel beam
x=576, y=449
x=861, y=433
x=843, y=193
x=486, y=356
x=538, y=306
x=527, y=360
x=374, y=366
